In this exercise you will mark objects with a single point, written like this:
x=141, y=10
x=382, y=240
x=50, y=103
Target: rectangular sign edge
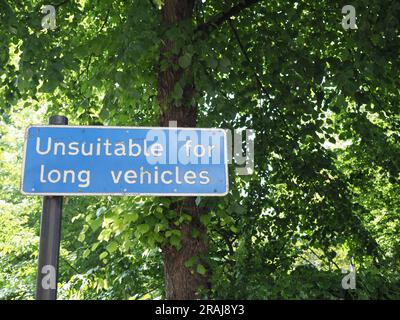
x=127, y=193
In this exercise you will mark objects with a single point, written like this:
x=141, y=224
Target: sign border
x=126, y=193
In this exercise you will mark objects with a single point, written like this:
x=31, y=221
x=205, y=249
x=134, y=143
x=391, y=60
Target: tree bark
x=181, y=282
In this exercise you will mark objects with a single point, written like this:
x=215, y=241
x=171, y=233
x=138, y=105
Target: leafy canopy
x=324, y=103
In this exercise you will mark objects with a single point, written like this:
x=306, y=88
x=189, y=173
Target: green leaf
x=112, y=247
x=201, y=269
x=195, y=233
x=332, y=140
x=190, y=262
x=95, y=224
x=205, y=219
x=177, y=92
x=81, y=237
x=185, y=61
x=86, y=253
x=132, y=217
x=147, y=296
x=141, y=229
x=103, y=255
x=175, y=241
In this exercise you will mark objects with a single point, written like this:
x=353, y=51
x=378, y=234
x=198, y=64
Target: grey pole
x=49, y=246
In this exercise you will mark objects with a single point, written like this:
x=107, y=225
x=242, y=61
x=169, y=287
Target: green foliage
x=324, y=104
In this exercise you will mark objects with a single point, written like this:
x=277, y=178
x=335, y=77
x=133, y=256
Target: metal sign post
x=49, y=247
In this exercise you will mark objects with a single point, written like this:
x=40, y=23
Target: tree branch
x=243, y=50
x=219, y=19
x=153, y=5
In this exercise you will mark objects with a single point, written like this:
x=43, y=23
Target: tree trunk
x=181, y=282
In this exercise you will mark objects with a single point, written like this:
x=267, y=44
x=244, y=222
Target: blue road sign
x=87, y=160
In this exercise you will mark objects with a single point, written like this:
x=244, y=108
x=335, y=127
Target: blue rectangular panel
x=68, y=160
